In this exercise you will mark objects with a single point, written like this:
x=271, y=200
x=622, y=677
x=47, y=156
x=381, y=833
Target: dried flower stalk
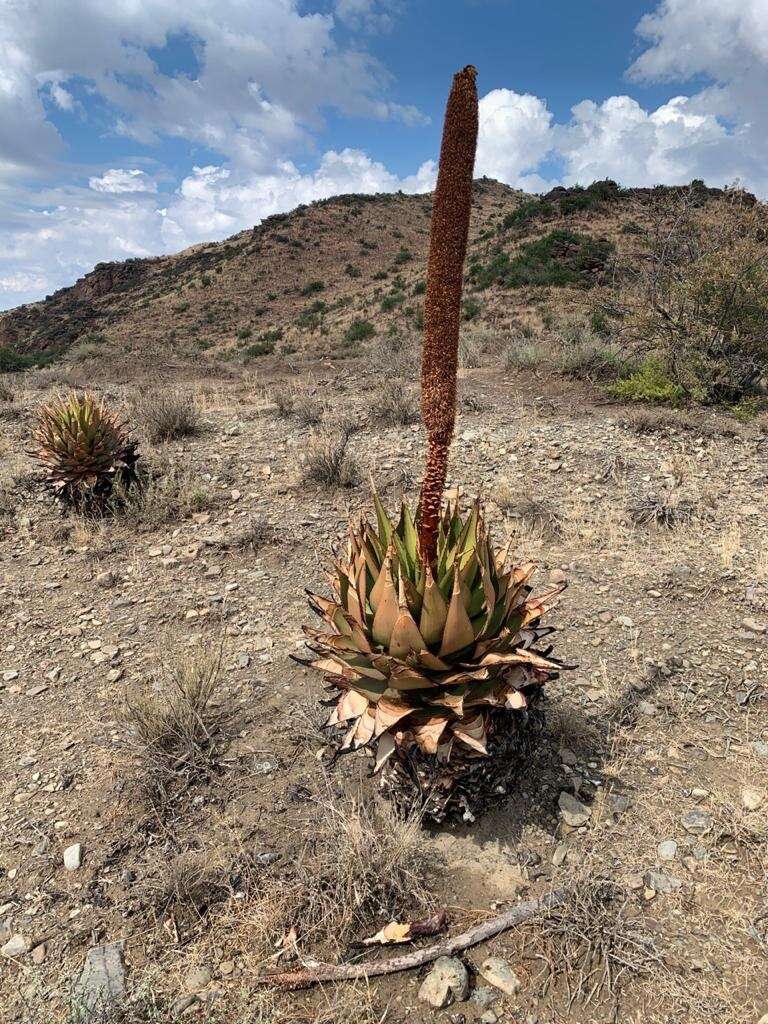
x=442, y=306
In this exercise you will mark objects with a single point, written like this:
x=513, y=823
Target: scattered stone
x=17, y=945
x=489, y=1017
x=760, y=747
x=561, y=852
x=667, y=850
x=645, y=707
x=73, y=857
x=182, y=1003
x=754, y=626
x=573, y=812
x=752, y=799
x=38, y=954
x=498, y=973
x=484, y=996
x=698, y=823
x=198, y=979
x=226, y=967
x=659, y=881
x=448, y=980
x=102, y=981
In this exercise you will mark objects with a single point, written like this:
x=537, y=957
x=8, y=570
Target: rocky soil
x=648, y=793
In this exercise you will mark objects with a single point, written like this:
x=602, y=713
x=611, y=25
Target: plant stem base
x=417, y=784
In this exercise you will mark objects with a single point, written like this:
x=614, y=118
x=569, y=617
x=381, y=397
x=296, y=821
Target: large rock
x=660, y=881
x=73, y=857
x=447, y=981
x=698, y=823
x=102, y=982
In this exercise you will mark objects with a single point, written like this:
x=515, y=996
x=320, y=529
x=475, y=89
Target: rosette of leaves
x=84, y=449
x=436, y=667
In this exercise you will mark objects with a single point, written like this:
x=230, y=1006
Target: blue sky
x=141, y=127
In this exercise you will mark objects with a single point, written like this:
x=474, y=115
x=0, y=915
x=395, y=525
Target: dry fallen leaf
x=395, y=932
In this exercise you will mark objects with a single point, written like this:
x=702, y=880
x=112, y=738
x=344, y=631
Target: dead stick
x=346, y=972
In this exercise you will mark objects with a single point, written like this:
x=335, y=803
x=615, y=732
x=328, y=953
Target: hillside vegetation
x=653, y=294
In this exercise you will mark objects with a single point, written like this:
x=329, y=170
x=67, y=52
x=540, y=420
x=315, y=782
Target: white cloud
x=514, y=135
x=368, y=15
x=119, y=180
x=267, y=71
x=619, y=139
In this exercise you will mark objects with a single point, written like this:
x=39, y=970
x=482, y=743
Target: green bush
x=404, y=256
x=244, y=333
x=650, y=382
x=15, y=362
x=271, y=336
x=525, y=212
x=559, y=259
x=359, y=330
x=390, y=302
x=471, y=309
x=258, y=348
x=312, y=288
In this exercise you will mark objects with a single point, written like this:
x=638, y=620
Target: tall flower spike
x=442, y=306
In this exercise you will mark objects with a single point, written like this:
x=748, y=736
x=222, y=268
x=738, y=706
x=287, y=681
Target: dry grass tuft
x=175, y=725
x=308, y=409
x=394, y=405
x=358, y=868
x=170, y=491
x=329, y=464
x=661, y=510
x=255, y=535
x=537, y=514
x=190, y=884
x=6, y=392
x=595, y=942
x=167, y=415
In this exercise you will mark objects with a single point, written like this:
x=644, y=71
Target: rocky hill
x=306, y=280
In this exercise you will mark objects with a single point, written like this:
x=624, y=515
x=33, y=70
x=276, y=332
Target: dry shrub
x=170, y=491
x=396, y=355
x=595, y=941
x=6, y=392
x=536, y=513
x=329, y=464
x=254, y=535
x=174, y=726
x=284, y=399
x=666, y=510
x=695, y=293
x=394, y=405
x=358, y=868
x=308, y=409
x=524, y=355
x=188, y=884
x=654, y=421
x=168, y=414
